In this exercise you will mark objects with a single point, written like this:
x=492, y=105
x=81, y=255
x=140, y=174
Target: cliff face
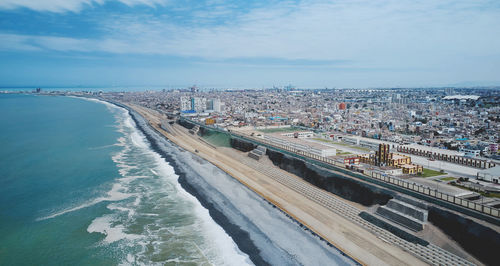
x=477, y=239
x=346, y=188
x=242, y=145
x=185, y=124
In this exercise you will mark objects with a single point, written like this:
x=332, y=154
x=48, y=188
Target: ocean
x=79, y=184
x=82, y=183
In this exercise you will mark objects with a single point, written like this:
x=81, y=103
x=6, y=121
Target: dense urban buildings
x=444, y=125
x=463, y=120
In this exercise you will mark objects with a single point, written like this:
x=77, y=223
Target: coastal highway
x=328, y=216
x=353, y=240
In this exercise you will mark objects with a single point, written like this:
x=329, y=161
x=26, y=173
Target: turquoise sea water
x=79, y=185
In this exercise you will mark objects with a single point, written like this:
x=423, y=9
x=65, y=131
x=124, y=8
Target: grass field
x=449, y=178
x=430, y=173
x=274, y=130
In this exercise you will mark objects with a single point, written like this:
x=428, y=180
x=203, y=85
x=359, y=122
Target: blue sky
x=218, y=43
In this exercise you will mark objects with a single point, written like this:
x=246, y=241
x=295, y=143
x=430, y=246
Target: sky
x=249, y=44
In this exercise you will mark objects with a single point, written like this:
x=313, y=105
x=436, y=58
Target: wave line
x=85, y=205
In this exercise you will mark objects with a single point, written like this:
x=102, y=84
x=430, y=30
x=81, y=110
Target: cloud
x=375, y=33
x=59, y=6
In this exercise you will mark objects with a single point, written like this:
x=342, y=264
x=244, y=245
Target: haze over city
x=246, y=44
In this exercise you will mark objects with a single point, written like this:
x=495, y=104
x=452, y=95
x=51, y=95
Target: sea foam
x=114, y=233
x=217, y=247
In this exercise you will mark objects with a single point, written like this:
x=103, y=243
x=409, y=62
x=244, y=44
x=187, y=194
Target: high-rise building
x=382, y=155
x=186, y=103
x=214, y=105
x=199, y=104
x=210, y=104
x=396, y=98
x=217, y=105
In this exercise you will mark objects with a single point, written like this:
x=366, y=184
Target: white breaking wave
x=85, y=205
x=103, y=147
x=115, y=194
x=217, y=248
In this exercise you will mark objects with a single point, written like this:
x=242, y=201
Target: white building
x=490, y=175
x=214, y=105
x=316, y=149
x=199, y=104
x=471, y=153
x=186, y=103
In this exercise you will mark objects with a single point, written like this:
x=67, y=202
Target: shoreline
x=151, y=119
x=243, y=241
x=240, y=237
x=371, y=249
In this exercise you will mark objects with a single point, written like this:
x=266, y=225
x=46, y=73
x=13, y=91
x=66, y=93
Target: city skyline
x=232, y=44
x=229, y=132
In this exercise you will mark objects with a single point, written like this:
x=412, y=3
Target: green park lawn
x=430, y=173
x=274, y=130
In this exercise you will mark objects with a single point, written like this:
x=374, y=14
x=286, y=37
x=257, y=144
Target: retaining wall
x=477, y=239
x=242, y=145
x=344, y=187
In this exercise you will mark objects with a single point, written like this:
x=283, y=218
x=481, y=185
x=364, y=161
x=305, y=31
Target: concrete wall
x=393, y=229
x=350, y=189
x=242, y=145
x=408, y=209
x=477, y=239
x=398, y=217
x=185, y=124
